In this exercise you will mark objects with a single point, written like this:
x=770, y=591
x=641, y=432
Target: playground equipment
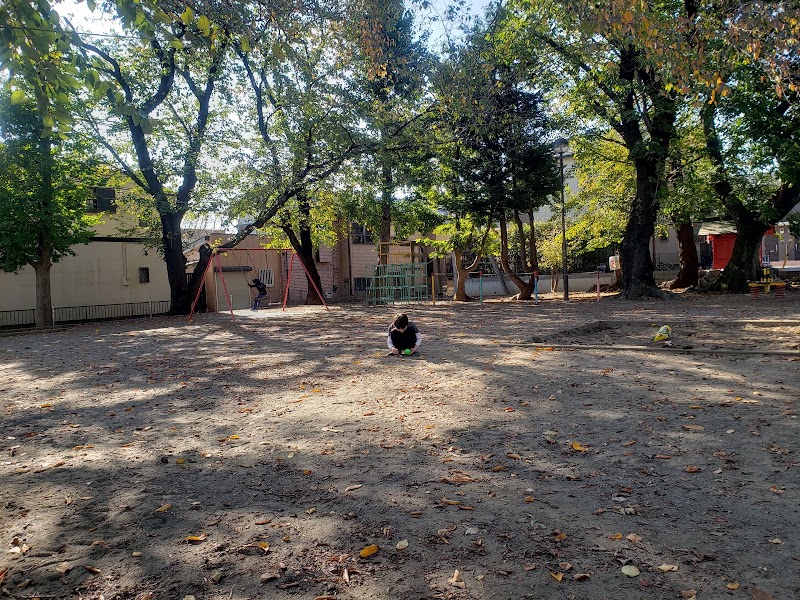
x=214, y=261
x=401, y=276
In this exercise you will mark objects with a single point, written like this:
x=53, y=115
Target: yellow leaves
x=204, y=25
x=627, y=17
x=196, y=539
x=513, y=455
x=529, y=499
x=615, y=536
x=187, y=16
x=557, y=576
x=164, y=508
x=450, y=502
x=559, y=536
x=578, y=447
x=180, y=461
x=368, y=551
x=733, y=586
x=665, y=568
x=630, y=570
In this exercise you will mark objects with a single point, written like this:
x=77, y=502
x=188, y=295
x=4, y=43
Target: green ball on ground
x=407, y=351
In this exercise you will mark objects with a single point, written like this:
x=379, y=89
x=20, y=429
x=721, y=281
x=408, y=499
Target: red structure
x=722, y=248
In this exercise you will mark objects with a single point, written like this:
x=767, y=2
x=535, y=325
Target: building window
x=102, y=200
x=265, y=275
x=361, y=235
x=360, y=284
x=144, y=274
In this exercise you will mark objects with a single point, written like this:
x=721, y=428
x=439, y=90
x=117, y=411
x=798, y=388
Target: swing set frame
x=215, y=259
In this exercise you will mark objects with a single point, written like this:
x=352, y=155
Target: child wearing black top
x=404, y=338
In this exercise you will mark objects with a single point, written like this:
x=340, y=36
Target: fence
x=77, y=314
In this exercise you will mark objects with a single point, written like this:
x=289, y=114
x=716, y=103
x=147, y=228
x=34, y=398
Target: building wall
x=105, y=271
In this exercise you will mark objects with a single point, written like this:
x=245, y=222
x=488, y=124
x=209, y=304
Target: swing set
x=215, y=260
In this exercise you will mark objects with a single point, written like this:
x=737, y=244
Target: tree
x=390, y=71
x=44, y=186
x=751, y=138
x=159, y=82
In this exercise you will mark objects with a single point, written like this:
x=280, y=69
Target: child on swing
x=404, y=338
x=261, y=288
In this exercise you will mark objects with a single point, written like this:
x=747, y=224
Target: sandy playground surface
x=549, y=451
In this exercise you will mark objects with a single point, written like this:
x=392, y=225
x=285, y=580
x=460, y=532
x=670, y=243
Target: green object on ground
x=407, y=351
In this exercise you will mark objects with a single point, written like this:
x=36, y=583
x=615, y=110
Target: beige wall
x=100, y=273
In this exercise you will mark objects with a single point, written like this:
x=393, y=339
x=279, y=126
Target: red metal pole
x=288, y=279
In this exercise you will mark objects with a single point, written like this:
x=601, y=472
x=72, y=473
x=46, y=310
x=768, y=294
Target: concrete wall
x=101, y=272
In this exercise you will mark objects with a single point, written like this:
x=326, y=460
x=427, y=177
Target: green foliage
x=44, y=187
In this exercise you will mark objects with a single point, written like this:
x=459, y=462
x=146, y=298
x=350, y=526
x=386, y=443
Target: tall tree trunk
x=44, y=302
x=171, y=239
x=44, y=249
x=688, y=275
x=744, y=261
x=461, y=281
x=304, y=247
x=387, y=190
x=525, y=288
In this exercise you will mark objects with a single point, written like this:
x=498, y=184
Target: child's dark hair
x=256, y=280
x=400, y=321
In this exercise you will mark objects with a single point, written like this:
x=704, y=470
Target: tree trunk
x=44, y=302
x=744, y=261
x=387, y=189
x=637, y=264
x=525, y=288
x=688, y=275
x=304, y=247
x=463, y=272
x=180, y=300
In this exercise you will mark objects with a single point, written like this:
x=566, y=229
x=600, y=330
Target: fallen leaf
x=351, y=488
x=776, y=541
x=530, y=499
x=689, y=594
x=557, y=576
x=633, y=538
x=402, y=545
x=91, y=569
x=565, y=566
x=667, y=568
x=580, y=576
x=263, y=545
x=136, y=554
x=577, y=446
x=456, y=580
x=776, y=490
x=630, y=570
x=368, y=551
x=758, y=594
x=465, y=507
x=733, y=586
x=559, y=537
x=631, y=443
x=513, y=455
x=180, y=461
x=615, y=536
x=196, y=538
x=693, y=469
x=164, y=508
x=694, y=427
x=63, y=568
x=499, y=468
x=450, y=502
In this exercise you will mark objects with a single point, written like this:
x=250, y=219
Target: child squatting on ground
x=404, y=337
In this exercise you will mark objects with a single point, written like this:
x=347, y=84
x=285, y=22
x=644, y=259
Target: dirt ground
x=532, y=451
